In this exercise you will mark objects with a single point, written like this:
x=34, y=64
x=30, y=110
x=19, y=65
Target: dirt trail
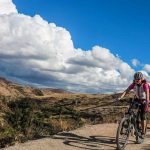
x=93, y=137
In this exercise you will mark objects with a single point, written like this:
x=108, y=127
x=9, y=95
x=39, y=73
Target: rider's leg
x=143, y=124
x=143, y=120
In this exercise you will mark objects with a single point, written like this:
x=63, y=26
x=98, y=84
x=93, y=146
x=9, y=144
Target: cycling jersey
x=140, y=90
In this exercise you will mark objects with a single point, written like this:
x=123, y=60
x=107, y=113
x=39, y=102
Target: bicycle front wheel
x=123, y=133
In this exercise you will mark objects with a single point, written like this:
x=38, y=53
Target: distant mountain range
x=9, y=88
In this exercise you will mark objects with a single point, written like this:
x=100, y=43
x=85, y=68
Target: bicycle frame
x=134, y=116
x=129, y=121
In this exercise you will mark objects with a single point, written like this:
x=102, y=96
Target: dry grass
x=27, y=110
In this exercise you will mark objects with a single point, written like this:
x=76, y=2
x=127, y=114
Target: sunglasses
x=137, y=80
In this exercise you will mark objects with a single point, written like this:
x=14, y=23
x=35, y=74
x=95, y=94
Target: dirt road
x=92, y=137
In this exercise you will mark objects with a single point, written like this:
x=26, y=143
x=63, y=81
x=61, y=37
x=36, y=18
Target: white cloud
x=147, y=67
x=38, y=52
x=7, y=7
x=135, y=62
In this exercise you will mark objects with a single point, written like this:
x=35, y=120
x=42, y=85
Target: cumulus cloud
x=7, y=7
x=36, y=52
x=135, y=62
x=147, y=67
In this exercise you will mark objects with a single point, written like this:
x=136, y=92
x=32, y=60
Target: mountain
x=11, y=89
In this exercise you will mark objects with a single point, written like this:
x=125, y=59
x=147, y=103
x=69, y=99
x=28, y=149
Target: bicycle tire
x=124, y=124
x=139, y=139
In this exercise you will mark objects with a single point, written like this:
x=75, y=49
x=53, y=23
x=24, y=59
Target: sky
x=92, y=46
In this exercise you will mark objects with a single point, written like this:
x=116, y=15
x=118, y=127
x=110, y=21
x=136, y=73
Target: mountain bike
x=129, y=123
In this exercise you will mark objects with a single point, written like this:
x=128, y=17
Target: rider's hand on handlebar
x=145, y=102
x=117, y=99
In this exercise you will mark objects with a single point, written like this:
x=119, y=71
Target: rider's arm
x=147, y=95
x=127, y=91
x=124, y=93
x=146, y=88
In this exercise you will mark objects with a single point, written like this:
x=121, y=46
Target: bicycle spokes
x=123, y=133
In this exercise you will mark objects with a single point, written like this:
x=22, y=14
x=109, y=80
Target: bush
x=30, y=119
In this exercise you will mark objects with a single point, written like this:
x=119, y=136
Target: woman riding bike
x=141, y=89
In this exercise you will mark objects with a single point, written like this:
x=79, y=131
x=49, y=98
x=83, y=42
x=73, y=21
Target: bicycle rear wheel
x=123, y=133
x=139, y=138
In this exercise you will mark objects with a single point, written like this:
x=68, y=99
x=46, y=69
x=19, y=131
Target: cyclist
x=141, y=89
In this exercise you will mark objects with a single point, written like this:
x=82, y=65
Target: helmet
x=138, y=75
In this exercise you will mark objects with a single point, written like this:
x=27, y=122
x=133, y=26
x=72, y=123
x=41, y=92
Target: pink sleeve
x=131, y=86
x=145, y=87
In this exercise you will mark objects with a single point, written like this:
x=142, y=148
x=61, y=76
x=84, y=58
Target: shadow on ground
x=89, y=143
x=147, y=146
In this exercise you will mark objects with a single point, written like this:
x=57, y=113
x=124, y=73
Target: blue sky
x=119, y=25
x=92, y=46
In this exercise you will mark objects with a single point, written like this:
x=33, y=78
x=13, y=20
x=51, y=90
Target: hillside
x=28, y=113
x=14, y=90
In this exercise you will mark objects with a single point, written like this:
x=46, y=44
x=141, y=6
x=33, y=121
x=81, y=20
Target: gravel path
x=92, y=137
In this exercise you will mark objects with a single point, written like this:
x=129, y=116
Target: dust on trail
x=92, y=137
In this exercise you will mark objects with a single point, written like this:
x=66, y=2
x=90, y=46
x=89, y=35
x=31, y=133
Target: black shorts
x=142, y=112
